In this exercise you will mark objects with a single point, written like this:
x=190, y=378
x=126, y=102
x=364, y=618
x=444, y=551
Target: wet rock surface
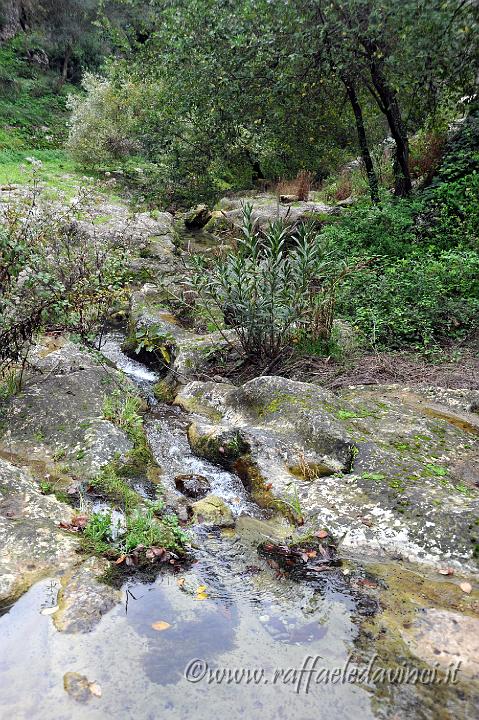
x=372, y=466
x=84, y=598
x=32, y=545
x=213, y=511
x=188, y=354
x=445, y=637
x=57, y=420
x=193, y=486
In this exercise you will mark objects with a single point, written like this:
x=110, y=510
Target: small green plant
x=123, y=409
x=149, y=338
x=110, y=484
x=293, y=500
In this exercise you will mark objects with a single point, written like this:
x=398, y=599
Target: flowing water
x=229, y=610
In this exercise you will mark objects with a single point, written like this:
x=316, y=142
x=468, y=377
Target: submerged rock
x=212, y=510
x=83, y=598
x=193, y=486
x=379, y=470
x=32, y=544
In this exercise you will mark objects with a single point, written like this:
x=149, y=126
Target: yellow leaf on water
x=50, y=610
x=202, y=596
x=201, y=589
x=161, y=625
x=95, y=689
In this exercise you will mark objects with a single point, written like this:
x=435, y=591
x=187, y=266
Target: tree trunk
x=390, y=106
x=363, y=141
x=64, y=74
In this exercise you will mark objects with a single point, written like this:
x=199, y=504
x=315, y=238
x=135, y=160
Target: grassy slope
x=33, y=124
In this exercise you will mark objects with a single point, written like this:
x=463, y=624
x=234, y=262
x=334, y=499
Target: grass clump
x=141, y=529
x=112, y=485
x=123, y=409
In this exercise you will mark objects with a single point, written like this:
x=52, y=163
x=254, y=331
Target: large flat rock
x=383, y=471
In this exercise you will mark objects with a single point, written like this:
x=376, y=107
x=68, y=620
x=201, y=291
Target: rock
x=267, y=209
x=345, y=336
x=347, y=202
x=56, y=423
x=33, y=546
x=197, y=218
x=211, y=510
x=287, y=199
x=83, y=598
x=379, y=468
x=193, y=486
x=445, y=637
x=187, y=353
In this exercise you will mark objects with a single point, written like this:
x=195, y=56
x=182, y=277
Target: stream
x=229, y=610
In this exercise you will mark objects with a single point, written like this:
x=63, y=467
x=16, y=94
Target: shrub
x=53, y=275
x=276, y=289
x=416, y=300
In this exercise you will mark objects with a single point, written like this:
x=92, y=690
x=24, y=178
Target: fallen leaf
x=466, y=587
x=201, y=589
x=121, y=559
x=446, y=571
x=202, y=596
x=80, y=521
x=321, y=534
x=161, y=625
x=95, y=689
x=50, y=610
x=180, y=582
x=268, y=486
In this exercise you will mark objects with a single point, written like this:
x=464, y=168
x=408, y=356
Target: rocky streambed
x=383, y=480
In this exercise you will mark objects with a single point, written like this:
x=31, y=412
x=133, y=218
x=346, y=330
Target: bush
x=389, y=229
x=53, y=275
x=416, y=300
x=275, y=289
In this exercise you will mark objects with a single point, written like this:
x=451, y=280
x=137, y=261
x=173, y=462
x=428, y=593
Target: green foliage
x=113, y=486
x=141, y=528
x=416, y=300
x=32, y=111
x=151, y=339
x=123, y=409
x=52, y=274
x=276, y=289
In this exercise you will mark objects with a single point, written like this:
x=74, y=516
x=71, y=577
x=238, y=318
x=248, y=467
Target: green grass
x=115, y=488
x=123, y=409
x=143, y=528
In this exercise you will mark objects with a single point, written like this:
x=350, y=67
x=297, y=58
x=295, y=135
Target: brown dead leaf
x=121, y=559
x=180, y=582
x=80, y=521
x=161, y=625
x=321, y=534
x=466, y=587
